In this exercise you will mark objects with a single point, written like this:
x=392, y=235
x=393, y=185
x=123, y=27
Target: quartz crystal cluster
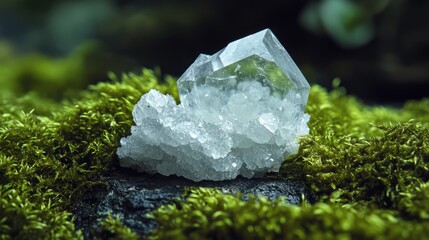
x=241, y=112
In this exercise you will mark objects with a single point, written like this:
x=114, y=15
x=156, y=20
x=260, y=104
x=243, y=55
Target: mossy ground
x=369, y=167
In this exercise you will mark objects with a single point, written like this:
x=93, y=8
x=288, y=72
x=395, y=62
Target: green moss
x=210, y=214
x=362, y=154
x=414, y=201
x=24, y=215
x=112, y=228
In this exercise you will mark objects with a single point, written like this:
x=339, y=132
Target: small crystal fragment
x=241, y=112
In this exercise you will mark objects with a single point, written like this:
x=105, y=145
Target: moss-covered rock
x=369, y=167
x=49, y=155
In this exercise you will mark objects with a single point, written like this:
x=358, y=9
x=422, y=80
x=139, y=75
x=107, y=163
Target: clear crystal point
x=259, y=57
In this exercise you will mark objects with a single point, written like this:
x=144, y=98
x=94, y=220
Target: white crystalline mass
x=241, y=112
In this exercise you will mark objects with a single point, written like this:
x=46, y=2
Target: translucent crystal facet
x=241, y=112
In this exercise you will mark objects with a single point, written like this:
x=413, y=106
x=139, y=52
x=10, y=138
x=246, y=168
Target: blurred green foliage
x=52, y=78
x=48, y=77
x=348, y=22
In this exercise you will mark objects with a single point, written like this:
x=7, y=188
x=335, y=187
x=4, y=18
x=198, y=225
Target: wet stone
x=132, y=195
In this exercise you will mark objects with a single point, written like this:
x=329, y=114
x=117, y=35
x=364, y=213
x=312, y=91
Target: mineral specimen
x=241, y=112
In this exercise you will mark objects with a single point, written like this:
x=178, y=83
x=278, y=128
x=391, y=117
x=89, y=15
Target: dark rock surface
x=132, y=195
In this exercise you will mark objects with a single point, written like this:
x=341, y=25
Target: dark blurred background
x=56, y=47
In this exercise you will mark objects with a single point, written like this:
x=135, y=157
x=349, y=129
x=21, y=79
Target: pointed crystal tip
x=259, y=57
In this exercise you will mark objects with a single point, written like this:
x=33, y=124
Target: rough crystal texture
x=241, y=112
